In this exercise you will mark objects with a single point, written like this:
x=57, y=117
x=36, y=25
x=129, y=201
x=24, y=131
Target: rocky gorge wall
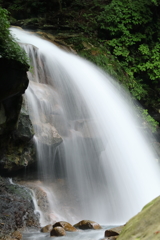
x=16, y=131
x=16, y=149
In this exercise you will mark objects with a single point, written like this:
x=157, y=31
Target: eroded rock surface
x=16, y=208
x=16, y=131
x=17, y=149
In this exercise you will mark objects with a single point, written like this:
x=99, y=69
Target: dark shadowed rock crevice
x=16, y=131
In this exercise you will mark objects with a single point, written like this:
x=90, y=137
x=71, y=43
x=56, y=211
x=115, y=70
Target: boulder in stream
x=87, y=224
x=17, y=235
x=46, y=228
x=67, y=226
x=57, y=232
x=113, y=232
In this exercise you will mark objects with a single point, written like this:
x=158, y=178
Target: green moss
x=8, y=46
x=145, y=225
x=18, y=191
x=150, y=203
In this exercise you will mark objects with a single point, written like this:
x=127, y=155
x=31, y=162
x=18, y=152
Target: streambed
x=79, y=235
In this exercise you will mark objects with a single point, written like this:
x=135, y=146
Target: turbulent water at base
x=104, y=170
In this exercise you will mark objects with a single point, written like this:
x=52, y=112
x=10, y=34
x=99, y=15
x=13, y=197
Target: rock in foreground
x=16, y=209
x=87, y=224
x=145, y=225
x=46, y=229
x=57, y=232
x=67, y=226
x=114, y=232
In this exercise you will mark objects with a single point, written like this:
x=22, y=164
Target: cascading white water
x=109, y=169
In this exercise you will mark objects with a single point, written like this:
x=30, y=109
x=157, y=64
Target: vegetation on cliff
x=122, y=37
x=8, y=47
x=145, y=225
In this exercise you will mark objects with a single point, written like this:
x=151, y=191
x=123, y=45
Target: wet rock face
x=17, y=235
x=16, y=208
x=25, y=130
x=17, y=156
x=16, y=147
x=14, y=80
x=47, y=134
x=16, y=150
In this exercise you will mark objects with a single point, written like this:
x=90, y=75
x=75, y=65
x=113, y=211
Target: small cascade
x=11, y=181
x=88, y=137
x=37, y=210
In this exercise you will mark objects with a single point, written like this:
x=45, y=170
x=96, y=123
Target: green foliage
x=124, y=37
x=131, y=30
x=8, y=47
x=149, y=122
x=96, y=53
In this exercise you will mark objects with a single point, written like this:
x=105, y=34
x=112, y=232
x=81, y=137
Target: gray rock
x=16, y=208
x=2, y=115
x=16, y=131
x=47, y=134
x=25, y=131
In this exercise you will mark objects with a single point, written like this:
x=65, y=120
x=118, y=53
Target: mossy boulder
x=18, y=156
x=145, y=225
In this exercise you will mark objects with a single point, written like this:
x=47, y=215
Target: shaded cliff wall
x=16, y=132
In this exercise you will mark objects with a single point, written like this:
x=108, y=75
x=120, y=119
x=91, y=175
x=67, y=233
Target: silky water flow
x=94, y=162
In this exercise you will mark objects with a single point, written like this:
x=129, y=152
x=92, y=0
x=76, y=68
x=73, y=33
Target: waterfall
x=92, y=155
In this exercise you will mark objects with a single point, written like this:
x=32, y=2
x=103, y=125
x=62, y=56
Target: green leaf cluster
x=131, y=30
x=123, y=37
x=8, y=47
